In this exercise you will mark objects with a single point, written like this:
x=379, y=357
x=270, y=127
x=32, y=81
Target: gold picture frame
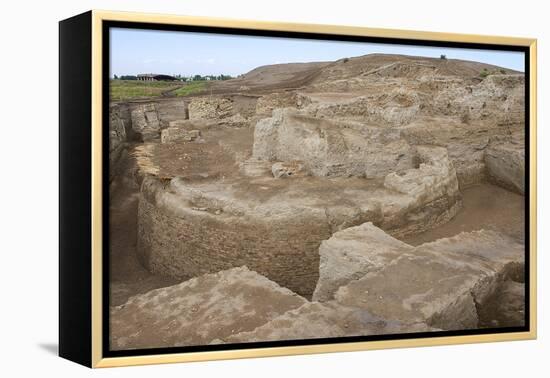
x=91, y=327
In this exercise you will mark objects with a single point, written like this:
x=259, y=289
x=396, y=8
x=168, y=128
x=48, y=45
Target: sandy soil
x=485, y=206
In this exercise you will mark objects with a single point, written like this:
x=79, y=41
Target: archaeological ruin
x=381, y=194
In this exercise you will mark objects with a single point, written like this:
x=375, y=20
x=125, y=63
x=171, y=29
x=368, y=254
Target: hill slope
x=330, y=75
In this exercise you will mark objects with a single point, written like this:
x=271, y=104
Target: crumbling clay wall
x=220, y=109
x=431, y=192
x=117, y=139
x=173, y=109
x=392, y=108
x=181, y=241
x=505, y=160
x=210, y=108
x=117, y=130
x=266, y=104
x=497, y=99
x=146, y=121
x=329, y=148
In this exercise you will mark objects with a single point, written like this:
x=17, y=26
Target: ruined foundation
x=187, y=230
x=302, y=188
x=187, y=241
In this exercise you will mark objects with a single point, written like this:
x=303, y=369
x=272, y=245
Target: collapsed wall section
x=505, y=161
x=446, y=284
x=146, y=121
x=329, y=148
x=267, y=103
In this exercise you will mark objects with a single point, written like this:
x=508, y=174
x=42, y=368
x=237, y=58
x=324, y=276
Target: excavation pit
x=274, y=226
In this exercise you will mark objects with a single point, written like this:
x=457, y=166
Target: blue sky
x=136, y=51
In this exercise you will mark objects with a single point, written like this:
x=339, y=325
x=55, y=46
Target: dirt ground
x=485, y=206
x=127, y=276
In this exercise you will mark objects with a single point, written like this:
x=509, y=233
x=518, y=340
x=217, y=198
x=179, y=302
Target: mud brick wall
x=210, y=108
x=198, y=242
x=422, y=218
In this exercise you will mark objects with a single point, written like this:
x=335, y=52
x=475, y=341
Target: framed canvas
x=235, y=189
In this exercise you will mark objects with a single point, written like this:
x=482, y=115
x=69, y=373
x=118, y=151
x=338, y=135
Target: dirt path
x=170, y=92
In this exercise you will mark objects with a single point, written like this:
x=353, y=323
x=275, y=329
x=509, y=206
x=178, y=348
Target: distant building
x=155, y=77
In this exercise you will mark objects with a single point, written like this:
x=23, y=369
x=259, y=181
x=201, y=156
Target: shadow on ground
x=51, y=348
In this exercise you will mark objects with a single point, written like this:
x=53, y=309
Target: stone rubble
x=210, y=108
x=352, y=253
x=329, y=148
x=287, y=169
x=175, y=134
x=266, y=104
x=440, y=283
